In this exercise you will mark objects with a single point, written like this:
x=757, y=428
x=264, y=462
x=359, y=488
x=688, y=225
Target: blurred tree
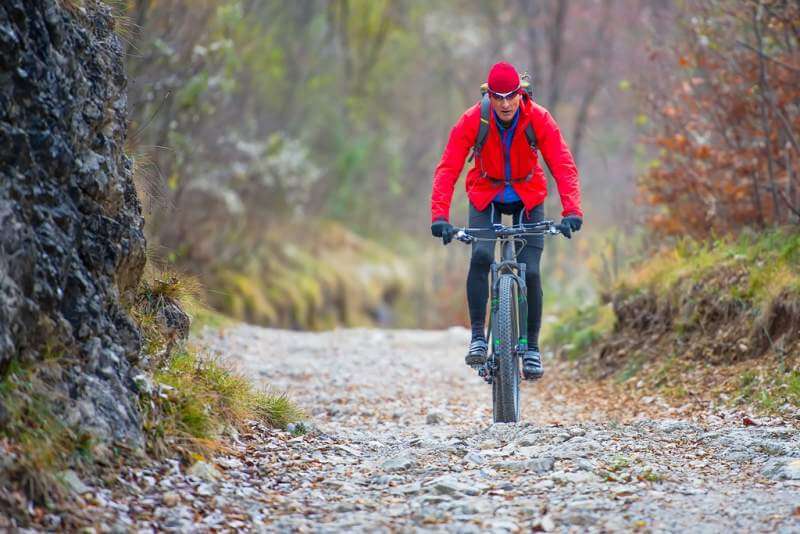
x=248, y=114
x=725, y=115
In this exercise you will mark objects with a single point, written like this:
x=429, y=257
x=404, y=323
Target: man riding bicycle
x=505, y=179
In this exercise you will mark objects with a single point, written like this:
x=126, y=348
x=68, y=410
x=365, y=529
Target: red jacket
x=524, y=162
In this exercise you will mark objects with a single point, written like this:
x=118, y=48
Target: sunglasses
x=504, y=96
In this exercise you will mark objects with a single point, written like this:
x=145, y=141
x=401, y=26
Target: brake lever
x=464, y=237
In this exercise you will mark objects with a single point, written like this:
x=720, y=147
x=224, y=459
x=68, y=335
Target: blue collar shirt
x=507, y=194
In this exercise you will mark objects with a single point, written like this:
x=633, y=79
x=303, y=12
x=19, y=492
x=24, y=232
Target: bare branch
x=766, y=56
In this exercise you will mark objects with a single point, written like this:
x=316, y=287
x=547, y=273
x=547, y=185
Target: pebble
x=539, y=465
x=474, y=457
x=170, y=498
x=434, y=418
x=205, y=490
x=783, y=469
x=398, y=464
x=449, y=485
x=71, y=479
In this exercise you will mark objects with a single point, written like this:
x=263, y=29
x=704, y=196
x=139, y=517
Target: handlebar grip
x=562, y=227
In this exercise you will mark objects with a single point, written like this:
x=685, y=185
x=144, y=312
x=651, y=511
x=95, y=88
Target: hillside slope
x=701, y=322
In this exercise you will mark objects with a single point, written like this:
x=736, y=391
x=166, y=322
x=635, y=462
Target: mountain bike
x=508, y=316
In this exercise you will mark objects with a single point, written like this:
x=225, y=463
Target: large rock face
x=72, y=247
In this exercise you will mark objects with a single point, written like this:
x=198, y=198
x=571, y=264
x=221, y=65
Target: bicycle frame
x=508, y=317
x=508, y=266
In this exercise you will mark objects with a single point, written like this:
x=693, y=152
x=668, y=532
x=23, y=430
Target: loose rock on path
x=400, y=440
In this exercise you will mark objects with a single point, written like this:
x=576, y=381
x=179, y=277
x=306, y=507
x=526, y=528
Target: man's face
x=505, y=107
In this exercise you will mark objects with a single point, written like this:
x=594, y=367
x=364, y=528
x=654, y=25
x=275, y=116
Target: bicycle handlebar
x=540, y=228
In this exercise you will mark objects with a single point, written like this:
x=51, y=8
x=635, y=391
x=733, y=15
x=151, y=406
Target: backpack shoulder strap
x=531, y=135
x=483, y=127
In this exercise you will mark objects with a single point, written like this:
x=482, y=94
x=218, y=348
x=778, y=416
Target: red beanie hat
x=503, y=78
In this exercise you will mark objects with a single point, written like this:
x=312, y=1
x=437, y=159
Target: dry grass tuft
x=197, y=397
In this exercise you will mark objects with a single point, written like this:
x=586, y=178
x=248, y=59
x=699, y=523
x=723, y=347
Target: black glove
x=443, y=229
x=571, y=223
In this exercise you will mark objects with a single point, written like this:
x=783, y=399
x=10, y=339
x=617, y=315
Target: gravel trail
x=405, y=442
x=401, y=440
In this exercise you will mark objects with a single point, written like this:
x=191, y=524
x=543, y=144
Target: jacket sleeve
x=562, y=166
x=449, y=168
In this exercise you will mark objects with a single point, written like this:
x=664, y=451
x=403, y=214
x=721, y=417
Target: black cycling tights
x=483, y=255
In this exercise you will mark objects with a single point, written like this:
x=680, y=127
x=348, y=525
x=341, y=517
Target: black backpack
x=486, y=108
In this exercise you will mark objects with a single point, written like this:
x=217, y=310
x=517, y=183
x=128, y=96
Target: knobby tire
x=505, y=386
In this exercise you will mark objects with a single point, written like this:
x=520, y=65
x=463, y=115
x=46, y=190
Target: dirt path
x=402, y=442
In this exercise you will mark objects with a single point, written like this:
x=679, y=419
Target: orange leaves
x=670, y=111
x=702, y=152
x=726, y=123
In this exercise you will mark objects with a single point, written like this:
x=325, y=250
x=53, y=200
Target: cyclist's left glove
x=571, y=223
x=443, y=229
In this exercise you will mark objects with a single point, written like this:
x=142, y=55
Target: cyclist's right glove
x=443, y=229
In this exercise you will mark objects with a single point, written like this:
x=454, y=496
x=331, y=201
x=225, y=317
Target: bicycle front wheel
x=505, y=386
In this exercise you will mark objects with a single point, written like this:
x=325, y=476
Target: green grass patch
x=768, y=260
x=35, y=434
x=631, y=369
x=191, y=399
x=577, y=330
x=619, y=462
x=650, y=475
x=282, y=284
x=770, y=389
x=669, y=376
x=197, y=397
x=278, y=411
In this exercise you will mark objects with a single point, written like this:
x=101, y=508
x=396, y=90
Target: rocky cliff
x=72, y=248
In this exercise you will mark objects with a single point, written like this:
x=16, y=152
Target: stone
x=544, y=524
x=574, y=477
x=382, y=480
x=407, y=489
x=449, y=485
x=397, y=464
x=582, y=504
x=538, y=465
x=205, y=490
x=783, y=469
x=670, y=426
x=576, y=447
x=474, y=458
x=170, y=499
x=73, y=482
x=529, y=440
x=204, y=471
x=771, y=447
x=584, y=464
x=434, y=418
x=501, y=525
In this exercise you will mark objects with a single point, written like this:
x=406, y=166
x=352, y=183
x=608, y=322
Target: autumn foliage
x=724, y=111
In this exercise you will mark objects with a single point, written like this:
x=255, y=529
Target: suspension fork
x=522, y=301
x=494, y=308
